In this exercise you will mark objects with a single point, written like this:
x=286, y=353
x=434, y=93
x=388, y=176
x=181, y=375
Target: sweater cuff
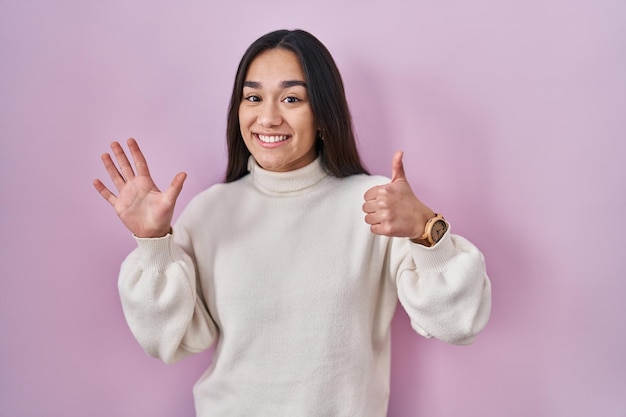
x=436, y=257
x=156, y=253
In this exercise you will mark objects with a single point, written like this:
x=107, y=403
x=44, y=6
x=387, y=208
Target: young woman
x=293, y=266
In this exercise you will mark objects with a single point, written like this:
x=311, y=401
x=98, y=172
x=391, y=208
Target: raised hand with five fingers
x=393, y=209
x=143, y=208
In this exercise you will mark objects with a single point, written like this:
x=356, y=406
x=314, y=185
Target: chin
x=270, y=164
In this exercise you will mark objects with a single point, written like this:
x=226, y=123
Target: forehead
x=275, y=65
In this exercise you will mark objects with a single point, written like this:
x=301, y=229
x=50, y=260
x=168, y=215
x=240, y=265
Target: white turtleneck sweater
x=281, y=271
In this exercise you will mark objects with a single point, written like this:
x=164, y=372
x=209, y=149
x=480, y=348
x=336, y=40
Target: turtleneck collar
x=286, y=182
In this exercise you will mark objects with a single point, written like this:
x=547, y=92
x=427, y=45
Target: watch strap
x=427, y=235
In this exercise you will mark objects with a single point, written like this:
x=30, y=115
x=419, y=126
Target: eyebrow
x=283, y=84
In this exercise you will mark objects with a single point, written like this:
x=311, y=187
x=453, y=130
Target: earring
x=320, y=134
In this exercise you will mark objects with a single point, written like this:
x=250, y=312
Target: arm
x=444, y=288
x=161, y=302
x=157, y=281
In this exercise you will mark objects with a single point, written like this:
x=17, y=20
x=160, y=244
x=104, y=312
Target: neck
x=286, y=182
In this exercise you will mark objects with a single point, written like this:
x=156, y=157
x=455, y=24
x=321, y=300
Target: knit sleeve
x=445, y=290
x=163, y=309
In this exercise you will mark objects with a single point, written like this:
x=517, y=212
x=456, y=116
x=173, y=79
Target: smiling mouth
x=272, y=139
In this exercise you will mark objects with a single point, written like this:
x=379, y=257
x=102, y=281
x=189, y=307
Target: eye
x=291, y=99
x=253, y=98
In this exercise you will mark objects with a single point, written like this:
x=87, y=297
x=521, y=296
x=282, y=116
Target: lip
x=275, y=139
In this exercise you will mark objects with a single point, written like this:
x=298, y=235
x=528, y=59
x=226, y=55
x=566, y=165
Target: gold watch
x=435, y=228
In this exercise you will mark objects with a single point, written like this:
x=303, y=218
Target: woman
x=277, y=266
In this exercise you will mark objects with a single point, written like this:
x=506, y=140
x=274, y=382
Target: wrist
x=154, y=235
x=418, y=236
x=423, y=242
x=434, y=229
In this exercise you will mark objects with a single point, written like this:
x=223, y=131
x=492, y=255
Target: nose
x=269, y=115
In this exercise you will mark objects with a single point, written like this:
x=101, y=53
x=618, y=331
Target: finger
x=122, y=161
x=372, y=193
x=371, y=219
x=114, y=174
x=176, y=186
x=104, y=192
x=397, y=168
x=140, y=161
x=380, y=229
x=369, y=207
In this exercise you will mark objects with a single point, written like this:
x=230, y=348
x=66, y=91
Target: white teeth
x=272, y=139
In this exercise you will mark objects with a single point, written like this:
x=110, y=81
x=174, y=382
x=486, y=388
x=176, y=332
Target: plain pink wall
x=511, y=116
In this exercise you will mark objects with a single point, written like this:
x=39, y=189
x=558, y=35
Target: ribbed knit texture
x=282, y=272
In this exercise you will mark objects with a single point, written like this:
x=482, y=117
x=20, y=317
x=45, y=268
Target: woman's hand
x=143, y=208
x=393, y=209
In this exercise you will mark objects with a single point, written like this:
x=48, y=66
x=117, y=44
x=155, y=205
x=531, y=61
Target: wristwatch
x=435, y=228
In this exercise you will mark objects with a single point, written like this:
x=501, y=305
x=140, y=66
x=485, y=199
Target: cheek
x=306, y=121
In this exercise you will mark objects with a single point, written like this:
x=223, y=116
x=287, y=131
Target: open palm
x=143, y=208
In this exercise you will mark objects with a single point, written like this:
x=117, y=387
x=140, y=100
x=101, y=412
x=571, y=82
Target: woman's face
x=275, y=116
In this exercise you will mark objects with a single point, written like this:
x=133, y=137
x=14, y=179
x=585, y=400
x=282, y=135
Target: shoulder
x=352, y=189
x=216, y=198
x=360, y=182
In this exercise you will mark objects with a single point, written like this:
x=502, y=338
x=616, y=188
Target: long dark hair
x=338, y=150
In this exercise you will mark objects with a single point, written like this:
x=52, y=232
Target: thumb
x=397, y=167
x=177, y=185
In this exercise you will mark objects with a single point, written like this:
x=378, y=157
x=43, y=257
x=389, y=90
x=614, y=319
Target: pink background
x=512, y=119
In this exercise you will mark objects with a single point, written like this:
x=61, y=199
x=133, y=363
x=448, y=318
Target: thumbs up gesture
x=393, y=209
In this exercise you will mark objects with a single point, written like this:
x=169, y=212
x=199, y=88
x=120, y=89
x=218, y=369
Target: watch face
x=438, y=230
